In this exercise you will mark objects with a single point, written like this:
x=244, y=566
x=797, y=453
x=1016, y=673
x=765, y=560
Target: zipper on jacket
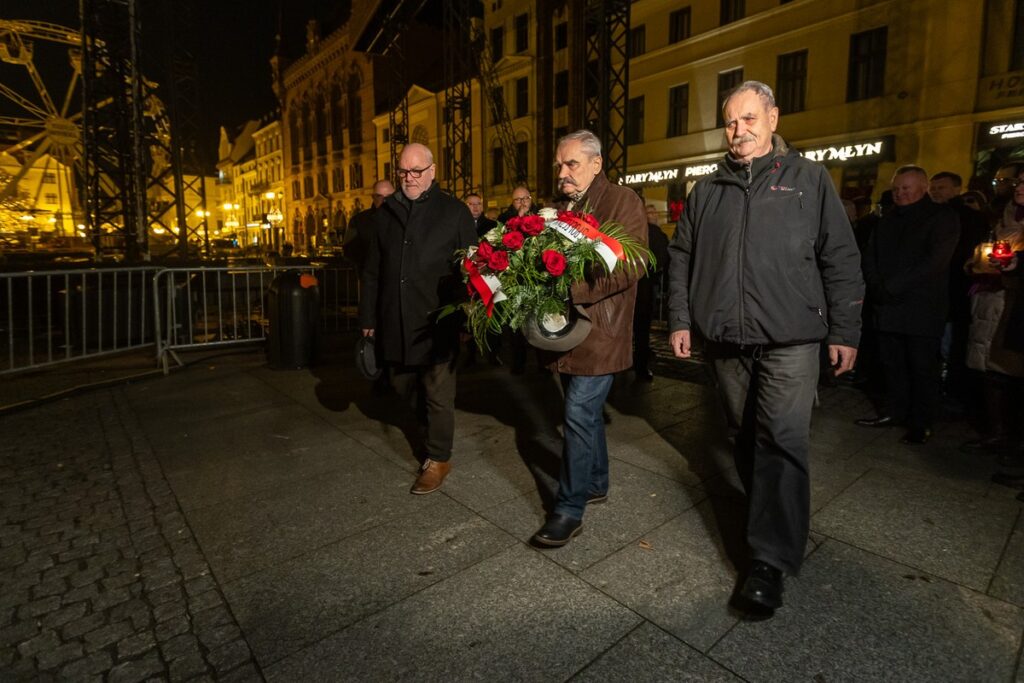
x=800, y=195
x=739, y=269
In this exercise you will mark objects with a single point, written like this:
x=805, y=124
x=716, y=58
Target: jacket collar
x=593, y=194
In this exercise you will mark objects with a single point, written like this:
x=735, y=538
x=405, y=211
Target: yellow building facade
x=862, y=86
x=328, y=101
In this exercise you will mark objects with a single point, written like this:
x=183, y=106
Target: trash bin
x=293, y=309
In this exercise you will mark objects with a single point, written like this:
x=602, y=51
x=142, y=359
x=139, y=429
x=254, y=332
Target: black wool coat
x=411, y=272
x=906, y=268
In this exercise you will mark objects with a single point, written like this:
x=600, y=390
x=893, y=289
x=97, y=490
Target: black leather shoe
x=917, y=436
x=880, y=421
x=763, y=587
x=557, y=531
x=595, y=498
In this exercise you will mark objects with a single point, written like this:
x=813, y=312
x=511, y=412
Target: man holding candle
x=764, y=267
x=906, y=268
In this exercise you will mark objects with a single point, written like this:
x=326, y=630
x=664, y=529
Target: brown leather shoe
x=431, y=477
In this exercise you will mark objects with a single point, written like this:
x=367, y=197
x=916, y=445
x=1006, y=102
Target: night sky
x=235, y=46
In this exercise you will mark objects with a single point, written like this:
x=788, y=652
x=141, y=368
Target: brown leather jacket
x=608, y=300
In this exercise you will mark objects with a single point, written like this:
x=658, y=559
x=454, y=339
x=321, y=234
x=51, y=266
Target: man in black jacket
x=764, y=267
x=906, y=268
x=360, y=227
x=409, y=274
x=481, y=223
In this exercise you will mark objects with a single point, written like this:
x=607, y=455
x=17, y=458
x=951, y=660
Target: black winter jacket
x=906, y=266
x=411, y=272
x=769, y=259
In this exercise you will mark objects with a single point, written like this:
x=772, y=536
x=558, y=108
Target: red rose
x=589, y=218
x=565, y=215
x=498, y=261
x=532, y=225
x=514, y=223
x=513, y=240
x=553, y=261
x=484, y=251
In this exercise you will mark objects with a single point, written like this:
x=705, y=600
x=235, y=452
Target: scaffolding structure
x=112, y=131
x=142, y=172
x=187, y=186
x=458, y=61
x=601, y=54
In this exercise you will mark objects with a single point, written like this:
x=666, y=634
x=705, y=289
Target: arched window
x=320, y=125
x=355, y=109
x=307, y=130
x=293, y=136
x=337, y=119
x=420, y=135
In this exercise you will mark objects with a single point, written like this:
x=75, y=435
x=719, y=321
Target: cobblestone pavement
x=100, y=576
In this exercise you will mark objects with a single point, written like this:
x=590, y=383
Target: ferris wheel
x=41, y=141
x=40, y=120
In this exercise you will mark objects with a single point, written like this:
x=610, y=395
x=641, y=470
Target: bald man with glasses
x=522, y=204
x=410, y=273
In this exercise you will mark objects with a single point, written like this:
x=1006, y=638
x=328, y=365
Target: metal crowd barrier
x=58, y=316
x=219, y=306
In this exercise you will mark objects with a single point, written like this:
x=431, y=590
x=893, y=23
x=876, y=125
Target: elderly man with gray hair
x=764, y=267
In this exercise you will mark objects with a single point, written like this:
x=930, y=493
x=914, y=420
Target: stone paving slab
x=855, y=616
x=638, y=502
x=1008, y=582
x=681, y=579
x=316, y=594
x=244, y=455
x=954, y=535
x=650, y=654
x=514, y=616
x=240, y=537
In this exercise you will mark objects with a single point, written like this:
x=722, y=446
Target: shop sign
x=1004, y=131
x=843, y=153
x=652, y=177
x=1001, y=90
x=699, y=170
x=693, y=171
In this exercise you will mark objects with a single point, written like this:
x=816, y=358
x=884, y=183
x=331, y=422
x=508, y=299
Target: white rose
x=548, y=213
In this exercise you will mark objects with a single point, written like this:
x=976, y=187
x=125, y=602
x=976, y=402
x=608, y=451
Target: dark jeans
x=768, y=394
x=585, y=453
x=430, y=392
x=913, y=378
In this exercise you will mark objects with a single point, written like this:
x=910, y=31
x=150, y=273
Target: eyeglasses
x=412, y=172
x=516, y=200
x=1012, y=182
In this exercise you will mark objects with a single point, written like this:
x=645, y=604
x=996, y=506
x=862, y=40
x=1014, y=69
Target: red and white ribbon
x=608, y=248
x=486, y=285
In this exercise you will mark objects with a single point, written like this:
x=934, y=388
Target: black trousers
x=768, y=395
x=429, y=391
x=913, y=380
x=642, y=314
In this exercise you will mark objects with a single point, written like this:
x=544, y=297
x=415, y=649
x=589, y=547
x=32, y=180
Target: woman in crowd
x=989, y=350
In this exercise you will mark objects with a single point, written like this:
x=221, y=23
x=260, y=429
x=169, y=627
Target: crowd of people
x=941, y=326
x=770, y=271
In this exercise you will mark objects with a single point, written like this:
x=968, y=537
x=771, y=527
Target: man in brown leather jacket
x=588, y=369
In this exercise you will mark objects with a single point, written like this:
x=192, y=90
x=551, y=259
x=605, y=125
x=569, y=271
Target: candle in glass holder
x=1002, y=251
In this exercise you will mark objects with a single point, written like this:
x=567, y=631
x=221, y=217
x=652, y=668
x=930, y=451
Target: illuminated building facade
x=328, y=101
x=862, y=86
